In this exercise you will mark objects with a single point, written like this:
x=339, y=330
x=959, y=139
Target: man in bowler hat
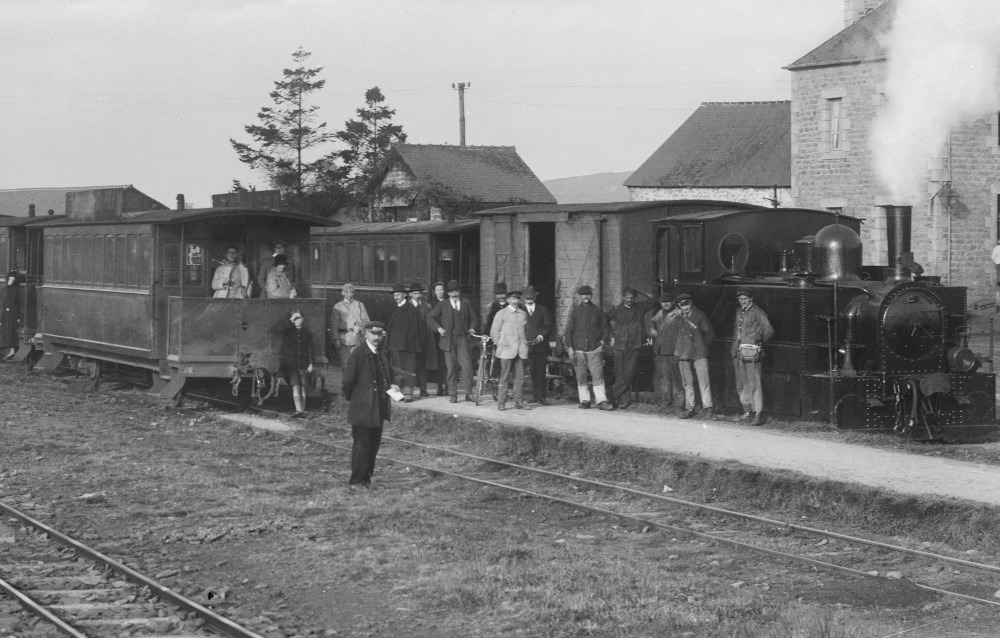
x=406, y=333
x=499, y=303
x=538, y=331
x=365, y=382
x=454, y=319
x=427, y=363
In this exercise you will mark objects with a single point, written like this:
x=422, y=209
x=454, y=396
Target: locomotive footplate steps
x=174, y=387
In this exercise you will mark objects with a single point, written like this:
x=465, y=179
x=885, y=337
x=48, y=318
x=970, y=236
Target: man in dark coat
x=365, y=382
x=752, y=328
x=297, y=357
x=538, y=332
x=455, y=321
x=406, y=333
x=662, y=328
x=584, y=341
x=694, y=340
x=499, y=303
x=427, y=363
x=627, y=335
x=10, y=315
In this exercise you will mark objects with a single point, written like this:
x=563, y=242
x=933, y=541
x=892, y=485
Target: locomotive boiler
x=861, y=348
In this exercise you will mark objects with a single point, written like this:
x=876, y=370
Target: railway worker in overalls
x=751, y=331
x=662, y=328
x=406, y=333
x=508, y=334
x=268, y=263
x=347, y=323
x=694, y=337
x=279, y=286
x=365, y=382
x=297, y=361
x=627, y=335
x=455, y=321
x=427, y=363
x=584, y=341
x=538, y=332
x=231, y=279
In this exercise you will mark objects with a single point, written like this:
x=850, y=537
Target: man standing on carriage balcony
x=627, y=336
x=406, y=331
x=584, y=341
x=752, y=328
x=232, y=278
x=455, y=321
x=538, y=331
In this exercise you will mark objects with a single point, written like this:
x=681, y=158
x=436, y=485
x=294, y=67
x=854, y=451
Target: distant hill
x=601, y=187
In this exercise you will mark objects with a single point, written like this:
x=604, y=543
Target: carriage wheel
x=179, y=398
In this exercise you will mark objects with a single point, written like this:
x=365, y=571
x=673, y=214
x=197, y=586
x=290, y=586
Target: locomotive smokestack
x=898, y=224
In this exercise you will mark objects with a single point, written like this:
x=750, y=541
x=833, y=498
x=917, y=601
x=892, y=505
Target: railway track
x=895, y=565
x=66, y=588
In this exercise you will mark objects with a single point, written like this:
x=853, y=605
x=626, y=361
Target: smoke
x=943, y=69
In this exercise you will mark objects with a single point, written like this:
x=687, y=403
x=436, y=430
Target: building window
x=836, y=121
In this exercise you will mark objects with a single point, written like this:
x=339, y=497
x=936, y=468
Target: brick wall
x=955, y=244
x=756, y=196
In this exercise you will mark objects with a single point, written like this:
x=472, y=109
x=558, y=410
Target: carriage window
x=88, y=259
x=379, y=266
x=421, y=262
x=98, y=259
x=145, y=264
x=407, y=262
x=55, y=259
x=77, y=259
x=353, y=267
x=109, y=260
x=66, y=272
x=733, y=253
x=340, y=254
x=393, y=274
x=663, y=256
x=121, y=260
x=171, y=276
x=691, y=249
x=316, y=264
x=366, y=263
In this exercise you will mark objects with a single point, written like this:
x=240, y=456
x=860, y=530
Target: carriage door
x=667, y=264
x=542, y=261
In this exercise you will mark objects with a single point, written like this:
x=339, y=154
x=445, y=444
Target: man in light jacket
x=752, y=327
x=512, y=348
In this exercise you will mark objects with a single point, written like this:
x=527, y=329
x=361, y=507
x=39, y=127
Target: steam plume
x=943, y=69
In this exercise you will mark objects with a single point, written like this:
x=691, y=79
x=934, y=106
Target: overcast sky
x=149, y=93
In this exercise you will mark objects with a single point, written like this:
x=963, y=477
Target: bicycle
x=486, y=370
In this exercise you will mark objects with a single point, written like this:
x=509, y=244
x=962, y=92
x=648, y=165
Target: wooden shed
x=558, y=247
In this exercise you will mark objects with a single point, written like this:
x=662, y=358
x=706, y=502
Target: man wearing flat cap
x=406, y=332
x=365, y=383
x=584, y=341
x=694, y=339
x=454, y=319
x=499, y=302
x=538, y=331
x=662, y=329
x=628, y=334
x=427, y=363
x=751, y=330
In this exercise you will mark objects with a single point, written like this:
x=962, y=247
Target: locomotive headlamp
x=962, y=359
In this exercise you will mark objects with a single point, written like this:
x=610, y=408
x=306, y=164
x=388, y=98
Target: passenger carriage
x=134, y=288
x=21, y=250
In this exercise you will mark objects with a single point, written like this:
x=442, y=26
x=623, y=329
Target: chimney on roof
x=461, y=86
x=52, y=212
x=854, y=10
x=180, y=201
x=31, y=210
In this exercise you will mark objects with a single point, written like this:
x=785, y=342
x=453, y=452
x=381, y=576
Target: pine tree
x=368, y=138
x=287, y=135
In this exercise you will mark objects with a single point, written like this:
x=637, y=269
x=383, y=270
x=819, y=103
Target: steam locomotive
x=861, y=348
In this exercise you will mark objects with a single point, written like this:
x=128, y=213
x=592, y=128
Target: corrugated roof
x=170, y=216
x=15, y=201
x=859, y=42
x=609, y=207
x=489, y=174
x=395, y=228
x=724, y=145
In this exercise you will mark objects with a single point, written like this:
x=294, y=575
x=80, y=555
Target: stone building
x=726, y=151
x=838, y=96
x=440, y=181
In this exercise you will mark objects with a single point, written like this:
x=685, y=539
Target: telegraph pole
x=461, y=86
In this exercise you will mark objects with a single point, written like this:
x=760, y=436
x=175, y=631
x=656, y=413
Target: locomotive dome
x=838, y=253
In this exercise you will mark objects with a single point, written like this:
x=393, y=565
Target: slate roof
x=490, y=174
x=724, y=145
x=405, y=228
x=15, y=201
x=611, y=208
x=859, y=42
